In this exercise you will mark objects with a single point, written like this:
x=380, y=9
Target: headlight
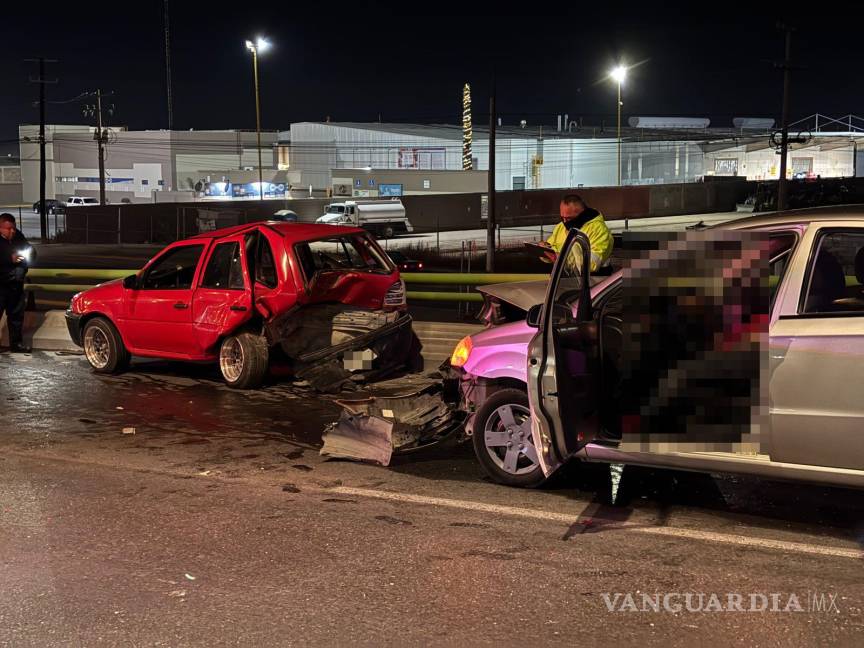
x=461, y=352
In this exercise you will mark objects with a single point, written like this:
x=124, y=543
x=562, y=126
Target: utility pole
x=490, y=205
x=782, y=185
x=99, y=136
x=42, y=81
x=168, y=67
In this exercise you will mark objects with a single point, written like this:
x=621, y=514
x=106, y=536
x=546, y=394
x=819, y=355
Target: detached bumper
x=73, y=323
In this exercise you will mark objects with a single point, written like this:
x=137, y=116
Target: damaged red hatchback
x=325, y=300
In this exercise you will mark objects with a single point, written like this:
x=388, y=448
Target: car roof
x=798, y=217
x=292, y=231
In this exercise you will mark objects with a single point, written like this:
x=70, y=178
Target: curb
x=47, y=331
x=44, y=330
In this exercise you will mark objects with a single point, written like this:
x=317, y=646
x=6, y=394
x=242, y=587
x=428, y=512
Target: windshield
x=335, y=209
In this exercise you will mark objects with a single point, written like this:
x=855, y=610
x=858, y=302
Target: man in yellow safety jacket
x=575, y=213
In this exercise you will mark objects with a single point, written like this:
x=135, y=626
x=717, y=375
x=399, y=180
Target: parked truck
x=384, y=218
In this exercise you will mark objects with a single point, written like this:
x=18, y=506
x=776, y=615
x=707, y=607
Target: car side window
x=174, y=270
x=224, y=269
x=836, y=274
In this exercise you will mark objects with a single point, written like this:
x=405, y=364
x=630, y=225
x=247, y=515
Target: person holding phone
x=16, y=256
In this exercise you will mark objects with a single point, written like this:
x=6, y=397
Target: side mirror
x=131, y=282
x=534, y=313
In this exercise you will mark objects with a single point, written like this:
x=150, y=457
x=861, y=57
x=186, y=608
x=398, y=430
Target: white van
x=381, y=217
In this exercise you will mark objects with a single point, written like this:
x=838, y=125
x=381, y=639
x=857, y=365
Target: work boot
x=19, y=348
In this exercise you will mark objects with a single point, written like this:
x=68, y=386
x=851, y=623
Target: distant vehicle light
x=461, y=352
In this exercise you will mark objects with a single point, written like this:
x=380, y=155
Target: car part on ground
x=376, y=428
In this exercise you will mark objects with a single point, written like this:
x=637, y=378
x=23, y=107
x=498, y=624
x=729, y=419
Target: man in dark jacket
x=16, y=255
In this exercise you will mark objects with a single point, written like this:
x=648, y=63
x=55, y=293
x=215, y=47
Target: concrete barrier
x=45, y=330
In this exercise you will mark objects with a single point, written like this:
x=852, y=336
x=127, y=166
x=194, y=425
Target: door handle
x=181, y=305
x=238, y=308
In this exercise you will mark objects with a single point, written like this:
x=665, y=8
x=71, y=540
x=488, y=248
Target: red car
x=325, y=299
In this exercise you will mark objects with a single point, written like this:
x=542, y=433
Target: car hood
x=95, y=297
x=522, y=294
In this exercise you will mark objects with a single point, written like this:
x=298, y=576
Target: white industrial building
x=653, y=151
x=372, y=159
x=139, y=164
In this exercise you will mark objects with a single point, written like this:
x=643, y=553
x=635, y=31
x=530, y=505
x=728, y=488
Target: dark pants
x=12, y=302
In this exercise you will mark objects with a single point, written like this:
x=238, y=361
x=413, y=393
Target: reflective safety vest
x=598, y=234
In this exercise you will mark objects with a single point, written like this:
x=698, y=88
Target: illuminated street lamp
x=618, y=75
x=260, y=45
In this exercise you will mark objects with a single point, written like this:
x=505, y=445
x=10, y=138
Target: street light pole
x=619, y=132
x=258, y=46
x=618, y=75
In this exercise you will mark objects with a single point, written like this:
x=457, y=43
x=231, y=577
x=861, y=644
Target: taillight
x=461, y=352
x=419, y=266
x=395, y=294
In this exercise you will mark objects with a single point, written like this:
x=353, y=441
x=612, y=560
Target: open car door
x=563, y=365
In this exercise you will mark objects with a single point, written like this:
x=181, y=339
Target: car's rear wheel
x=243, y=360
x=502, y=439
x=103, y=346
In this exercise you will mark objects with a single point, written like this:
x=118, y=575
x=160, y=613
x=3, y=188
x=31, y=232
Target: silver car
x=814, y=430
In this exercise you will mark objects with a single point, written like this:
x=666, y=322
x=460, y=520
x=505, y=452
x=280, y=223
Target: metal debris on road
x=374, y=428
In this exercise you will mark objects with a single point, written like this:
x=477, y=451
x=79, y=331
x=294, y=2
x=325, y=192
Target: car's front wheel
x=243, y=360
x=103, y=346
x=503, y=442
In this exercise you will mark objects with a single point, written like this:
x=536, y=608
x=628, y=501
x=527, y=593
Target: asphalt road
x=218, y=523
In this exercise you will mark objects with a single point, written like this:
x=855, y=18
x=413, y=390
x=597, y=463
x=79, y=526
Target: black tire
x=525, y=476
x=103, y=346
x=243, y=360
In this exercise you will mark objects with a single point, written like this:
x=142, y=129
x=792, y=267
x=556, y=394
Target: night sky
x=356, y=62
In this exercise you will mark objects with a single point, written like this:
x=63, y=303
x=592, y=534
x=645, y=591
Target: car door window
x=780, y=250
x=836, y=274
x=174, y=270
x=224, y=269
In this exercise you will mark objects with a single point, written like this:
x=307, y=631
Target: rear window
x=354, y=252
